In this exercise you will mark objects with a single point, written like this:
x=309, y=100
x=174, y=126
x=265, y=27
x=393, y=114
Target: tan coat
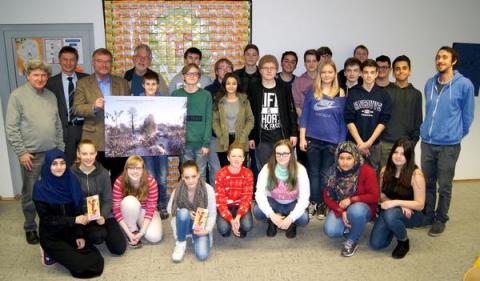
x=243, y=125
x=86, y=94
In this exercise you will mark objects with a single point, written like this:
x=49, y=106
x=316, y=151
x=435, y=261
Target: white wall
x=411, y=27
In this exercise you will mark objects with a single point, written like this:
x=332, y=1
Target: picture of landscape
x=145, y=126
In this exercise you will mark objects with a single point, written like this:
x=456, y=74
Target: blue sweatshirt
x=367, y=109
x=323, y=119
x=449, y=113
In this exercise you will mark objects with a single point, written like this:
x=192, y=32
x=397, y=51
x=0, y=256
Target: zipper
x=435, y=108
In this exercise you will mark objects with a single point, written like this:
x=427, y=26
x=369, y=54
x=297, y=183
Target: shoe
x=179, y=251
x=437, y=229
x=271, y=229
x=322, y=210
x=46, y=260
x=349, y=248
x=401, y=250
x=312, y=208
x=163, y=214
x=291, y=231
x=32, y=237
x=226, y=234
x=136, y=246
x=243, y=234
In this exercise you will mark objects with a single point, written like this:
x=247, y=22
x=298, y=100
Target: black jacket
x=288, y=115
x=57, y=221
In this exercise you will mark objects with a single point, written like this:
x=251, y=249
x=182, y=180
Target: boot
x=271, y=229
x=291, y=231
x=401, y=250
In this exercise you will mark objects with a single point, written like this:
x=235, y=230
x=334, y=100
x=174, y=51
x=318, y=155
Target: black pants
x=72, y=136
x=110, y=233
x=115, y=165
x=82, y=263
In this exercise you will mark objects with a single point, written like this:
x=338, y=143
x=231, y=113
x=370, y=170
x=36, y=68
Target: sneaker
x=312, y=208
x=163, y=214
x=437, y=229
x=243, y=234
x=46, y=260
x=291, y=231
x=401, y=250
x=322, y=210
x=136, y=246
x=271, y=229
x=32, y=237
x=179, y=251
x=349, y=248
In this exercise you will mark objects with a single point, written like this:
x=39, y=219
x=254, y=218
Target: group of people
x=338, y=146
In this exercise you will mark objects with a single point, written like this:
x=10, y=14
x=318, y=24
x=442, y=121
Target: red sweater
x=367, y=192
x=150, y=203
x=233, y=190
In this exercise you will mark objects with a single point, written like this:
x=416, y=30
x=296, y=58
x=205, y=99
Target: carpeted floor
x=311, y=256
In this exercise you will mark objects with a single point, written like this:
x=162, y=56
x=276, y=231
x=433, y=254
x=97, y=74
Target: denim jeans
x=358, y=215
x=263, y=152
x=196, y=155
x=29, y=178
x=246, y=222
x=438, y=165
x=320, y=156
x=392, y=222
x=283, y=209
x=157, y=168
x=184, y=226
x=213, y=161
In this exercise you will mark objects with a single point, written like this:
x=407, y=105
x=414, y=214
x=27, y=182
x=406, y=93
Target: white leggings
x=134, y=214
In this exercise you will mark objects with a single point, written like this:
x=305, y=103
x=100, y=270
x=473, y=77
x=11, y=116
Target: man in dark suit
x=89, y=102
x=63, y=85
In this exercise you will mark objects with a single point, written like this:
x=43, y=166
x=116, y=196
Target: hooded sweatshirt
x=97, y=182
x=366, y=110
x=406, y=116
x=449, y=112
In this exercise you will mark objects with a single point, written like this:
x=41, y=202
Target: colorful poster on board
x=77, y=44
x=27, y=49
x=145, y=126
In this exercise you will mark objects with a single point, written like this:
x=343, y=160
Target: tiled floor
x=311, y=256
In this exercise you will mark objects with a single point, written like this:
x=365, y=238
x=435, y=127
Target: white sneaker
x=179, y=251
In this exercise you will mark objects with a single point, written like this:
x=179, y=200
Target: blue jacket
x=448, y=114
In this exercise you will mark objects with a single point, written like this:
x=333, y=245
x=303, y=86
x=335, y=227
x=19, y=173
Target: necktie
x=71, y=91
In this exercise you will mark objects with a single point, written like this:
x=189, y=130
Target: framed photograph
x=145, y=126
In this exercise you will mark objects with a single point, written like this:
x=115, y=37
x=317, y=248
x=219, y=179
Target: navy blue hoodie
x=366, y=110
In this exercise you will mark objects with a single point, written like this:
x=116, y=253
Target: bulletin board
x=218, y=28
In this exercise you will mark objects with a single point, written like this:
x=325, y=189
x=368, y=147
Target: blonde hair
x=81, y=143
x=38, y=64
x=317, y=84
x=127, y=189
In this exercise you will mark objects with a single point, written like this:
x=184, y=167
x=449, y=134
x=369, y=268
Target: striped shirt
x=149, y=204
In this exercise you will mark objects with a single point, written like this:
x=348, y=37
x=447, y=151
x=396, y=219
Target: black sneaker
x=291, y=231
x=163, y=214
x=322, y=210
x=271, y=229
x=243, y=234
x=32, y=237
x=437, y=229
x=46, y=260
x=349, y=248
x=401, y=250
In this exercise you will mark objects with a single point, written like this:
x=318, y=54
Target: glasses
x=282, y=154
x=192, y=74
x=135, y=168
x=383, y=67
x=269, y=68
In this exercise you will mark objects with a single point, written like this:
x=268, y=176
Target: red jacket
x=367, y=192
x=233, y=190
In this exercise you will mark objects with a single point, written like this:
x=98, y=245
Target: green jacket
x=243, y=125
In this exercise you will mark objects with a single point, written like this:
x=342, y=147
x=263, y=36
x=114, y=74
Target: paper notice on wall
x=27, y=49
x=52, y=47
x=77, y=44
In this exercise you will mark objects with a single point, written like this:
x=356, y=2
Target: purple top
x=300, y=87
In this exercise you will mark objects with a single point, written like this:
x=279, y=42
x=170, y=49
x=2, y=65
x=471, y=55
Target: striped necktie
x=71, y=92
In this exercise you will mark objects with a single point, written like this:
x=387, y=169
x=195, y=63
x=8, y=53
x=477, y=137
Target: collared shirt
x=65, y=89
x=105, y=85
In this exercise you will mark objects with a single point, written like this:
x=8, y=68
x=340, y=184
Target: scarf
x=64, y=189
x=180, y=200
x=281, y=173
x=344, y=183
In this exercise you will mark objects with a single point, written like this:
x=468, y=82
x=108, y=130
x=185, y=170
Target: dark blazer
x=55, y=85
x=87, y=92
